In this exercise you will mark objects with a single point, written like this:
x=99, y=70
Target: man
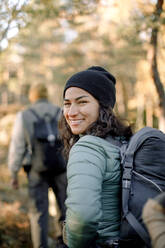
x=38, y=183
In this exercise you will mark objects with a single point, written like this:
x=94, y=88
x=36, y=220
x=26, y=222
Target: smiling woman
x=93, y=170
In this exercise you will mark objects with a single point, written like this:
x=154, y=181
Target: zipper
x=148, y=180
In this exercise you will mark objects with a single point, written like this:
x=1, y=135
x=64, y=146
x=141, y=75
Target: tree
x=12, y=18
x=154, y=61
x=64, y=36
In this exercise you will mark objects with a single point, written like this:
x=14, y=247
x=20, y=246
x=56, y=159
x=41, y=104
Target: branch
x=14, y=14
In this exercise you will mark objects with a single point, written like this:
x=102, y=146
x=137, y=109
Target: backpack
x=143, y=177
x=46, y=147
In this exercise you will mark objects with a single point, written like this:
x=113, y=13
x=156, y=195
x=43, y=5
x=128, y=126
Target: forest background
x=49, y=40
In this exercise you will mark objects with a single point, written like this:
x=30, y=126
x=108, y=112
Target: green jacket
x=93, y=194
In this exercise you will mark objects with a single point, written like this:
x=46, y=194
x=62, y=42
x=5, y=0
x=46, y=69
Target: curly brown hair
x=107, y=124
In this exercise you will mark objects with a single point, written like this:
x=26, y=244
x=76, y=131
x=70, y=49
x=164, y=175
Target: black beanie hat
x=98, y=82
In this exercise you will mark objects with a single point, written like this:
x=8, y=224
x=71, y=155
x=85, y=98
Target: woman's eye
x=66, y=104
x=82, y=102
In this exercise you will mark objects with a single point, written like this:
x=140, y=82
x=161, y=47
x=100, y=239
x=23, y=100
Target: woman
x=93, y=170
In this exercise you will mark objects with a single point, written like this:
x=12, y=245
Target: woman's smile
x=75, y=122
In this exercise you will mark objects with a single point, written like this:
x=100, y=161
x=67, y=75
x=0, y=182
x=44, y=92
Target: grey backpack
x=45, y=147
x=143, y=177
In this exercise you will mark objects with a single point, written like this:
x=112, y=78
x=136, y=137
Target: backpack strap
x=138, y=228
x=35, y=114
x=28, y=139
x=47, y=114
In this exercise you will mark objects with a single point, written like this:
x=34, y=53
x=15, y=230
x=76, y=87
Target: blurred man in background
x=25, y=151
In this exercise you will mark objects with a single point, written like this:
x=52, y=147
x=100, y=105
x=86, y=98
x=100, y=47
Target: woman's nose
x=73, y=110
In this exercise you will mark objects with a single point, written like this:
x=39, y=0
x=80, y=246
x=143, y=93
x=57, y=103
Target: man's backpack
x=143, y=177
x=45, y=146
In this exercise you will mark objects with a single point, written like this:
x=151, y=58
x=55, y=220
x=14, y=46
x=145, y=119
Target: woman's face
x=81, y=109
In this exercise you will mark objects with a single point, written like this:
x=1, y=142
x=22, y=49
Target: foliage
x=12, y=18
x=61, y=37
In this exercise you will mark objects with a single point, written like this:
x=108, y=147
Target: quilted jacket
x=93, y=193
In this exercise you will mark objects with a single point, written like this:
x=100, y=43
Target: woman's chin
x=76, y=131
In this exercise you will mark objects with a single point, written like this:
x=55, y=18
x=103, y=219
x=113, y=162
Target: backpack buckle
x=112, y=243
x=126, y=183
x=127, y=175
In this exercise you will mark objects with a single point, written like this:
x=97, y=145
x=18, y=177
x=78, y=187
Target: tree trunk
x=149, y=113
x=140, y=112
x=154, y=65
